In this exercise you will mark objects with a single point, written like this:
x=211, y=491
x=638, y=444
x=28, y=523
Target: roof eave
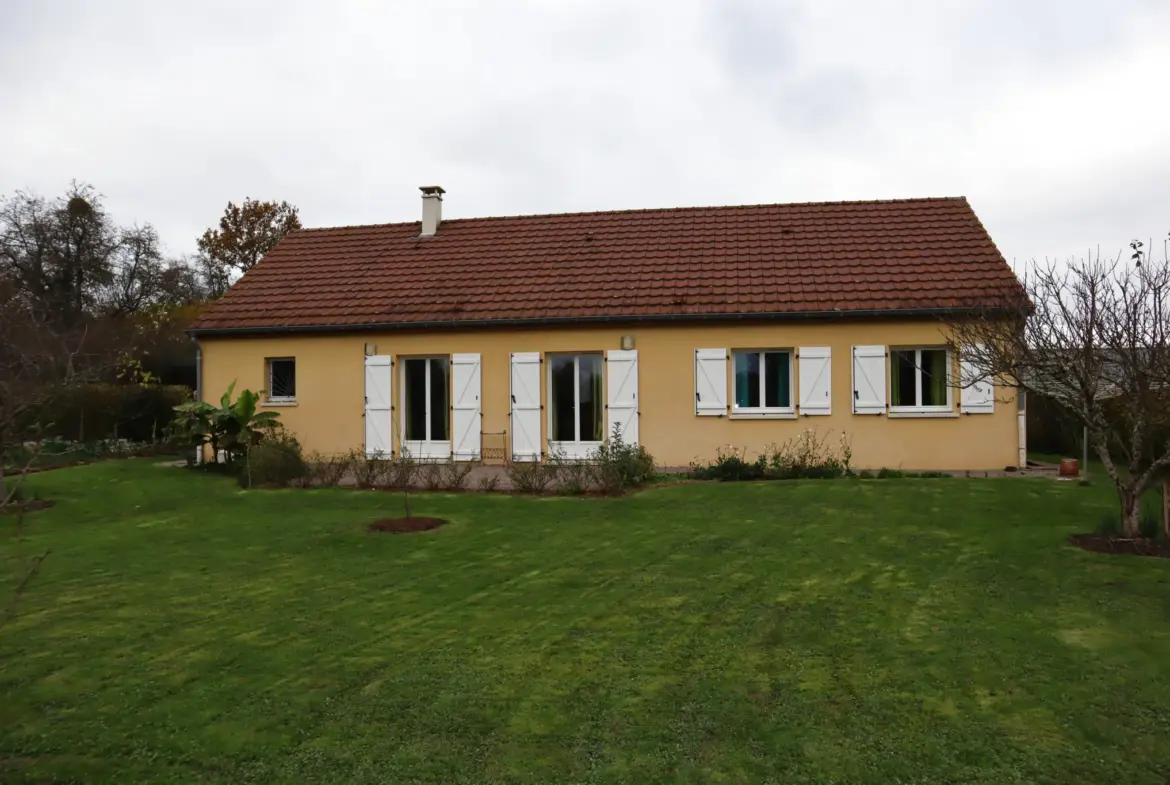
x=456, y=324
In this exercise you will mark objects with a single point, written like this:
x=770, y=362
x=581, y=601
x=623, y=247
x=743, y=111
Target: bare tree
x=57, y=253
x=39, y=361
x=1095, y=338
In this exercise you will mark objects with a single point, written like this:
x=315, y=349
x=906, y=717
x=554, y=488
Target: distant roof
x=921, y=256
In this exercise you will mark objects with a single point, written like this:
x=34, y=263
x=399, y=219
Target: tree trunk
x=1131, y=510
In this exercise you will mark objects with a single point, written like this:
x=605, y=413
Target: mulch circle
x=1134, y=546
x=405, y=525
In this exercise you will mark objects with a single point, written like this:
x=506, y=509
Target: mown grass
x=912, y=631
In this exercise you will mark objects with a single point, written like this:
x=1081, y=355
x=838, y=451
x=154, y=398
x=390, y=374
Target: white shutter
x=977, y=394
x=816, y=376
x=378, y=405
x=711, y=382
x=869, y=379
x=525, y=402
x=465, y=410
x=621, y=376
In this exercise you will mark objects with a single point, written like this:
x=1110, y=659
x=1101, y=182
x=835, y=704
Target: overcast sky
x=1051, y=117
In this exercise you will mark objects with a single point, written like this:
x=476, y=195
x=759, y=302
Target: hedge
x=138, y=412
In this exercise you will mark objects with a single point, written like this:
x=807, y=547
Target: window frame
x=576, y=448
x=279, y=400
x=917, y=407
x=763, y=410
x=421, y=451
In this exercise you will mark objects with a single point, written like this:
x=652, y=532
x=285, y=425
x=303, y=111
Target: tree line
x=87, y=300
x=69, y=260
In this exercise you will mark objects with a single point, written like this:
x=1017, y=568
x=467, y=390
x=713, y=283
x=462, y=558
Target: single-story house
x=688, y=329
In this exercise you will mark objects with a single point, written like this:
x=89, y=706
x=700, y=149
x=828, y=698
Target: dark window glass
x=415, y=397
x=904, y=379
x=934, y=377
x=562, y=383
x=589, y=390
x=777, y=392
x=282, y=381
x=747, y=380
x=440, y=399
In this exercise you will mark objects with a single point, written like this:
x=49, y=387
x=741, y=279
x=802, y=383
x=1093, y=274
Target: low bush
x=573, y=477
x=276, y=462
x=618, y=466
x=454, y=474
x=431, y=476
x=329, y=470
x=489, y=483
x=531, y=476
x=400, y=472
x=369, y=470
x=806, y=456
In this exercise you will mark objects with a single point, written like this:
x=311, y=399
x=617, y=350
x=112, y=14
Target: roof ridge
x=582, y=213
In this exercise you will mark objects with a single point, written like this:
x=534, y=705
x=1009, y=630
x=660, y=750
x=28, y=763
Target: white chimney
x=432, y=198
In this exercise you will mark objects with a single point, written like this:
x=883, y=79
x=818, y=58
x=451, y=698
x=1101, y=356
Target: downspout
x=198, y=387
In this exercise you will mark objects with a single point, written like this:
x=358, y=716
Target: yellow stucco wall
x=328, y=415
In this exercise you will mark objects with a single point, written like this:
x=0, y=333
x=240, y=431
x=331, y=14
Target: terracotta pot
x=1069, y=467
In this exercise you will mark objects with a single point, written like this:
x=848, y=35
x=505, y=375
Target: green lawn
x=898, y=631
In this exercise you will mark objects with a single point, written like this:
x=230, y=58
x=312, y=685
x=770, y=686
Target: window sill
x=749, y=415
x=908, y=414
x=291, y=402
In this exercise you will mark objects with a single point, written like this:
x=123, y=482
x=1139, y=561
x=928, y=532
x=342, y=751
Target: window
x=426, y=391
x=763, y=381
x=282, y=380
x=575, y=397
x=919, y=379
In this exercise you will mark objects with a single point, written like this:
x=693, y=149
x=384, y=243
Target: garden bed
x=416, y=523
x=1132, y=546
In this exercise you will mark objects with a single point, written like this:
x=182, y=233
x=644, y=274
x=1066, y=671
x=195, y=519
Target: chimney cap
x=432, y=190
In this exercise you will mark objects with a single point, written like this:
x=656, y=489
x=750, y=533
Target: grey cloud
x=345, y=108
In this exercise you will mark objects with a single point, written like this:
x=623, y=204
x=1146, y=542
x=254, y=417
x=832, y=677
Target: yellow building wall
x=328, y=414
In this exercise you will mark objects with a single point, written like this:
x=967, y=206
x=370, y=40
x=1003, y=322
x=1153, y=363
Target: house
x=688, y=329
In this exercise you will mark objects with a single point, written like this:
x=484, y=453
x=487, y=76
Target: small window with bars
x=282, y=380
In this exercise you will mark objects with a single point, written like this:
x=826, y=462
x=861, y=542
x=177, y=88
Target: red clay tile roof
x=917, y=255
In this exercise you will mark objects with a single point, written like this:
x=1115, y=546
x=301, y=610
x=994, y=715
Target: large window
x=763, y=381
x=427, y=398
x=282, y=380
x=919, y=379
x=575, y=397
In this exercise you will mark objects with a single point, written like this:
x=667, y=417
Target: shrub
x=233, y=426
x=431, y=475
x=399, y=472
x=455, y=473
x=1109, y=525
x=865, y=474
x=730, y=466
x=619, y=466
x=368, y=470
x=890, y=474
x=138, y=412
x=330, y=470
x=276, y=462
x=806, y=456
x=489, y=482
x=1149, y=525
x=573, y=477
x=530, y=476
